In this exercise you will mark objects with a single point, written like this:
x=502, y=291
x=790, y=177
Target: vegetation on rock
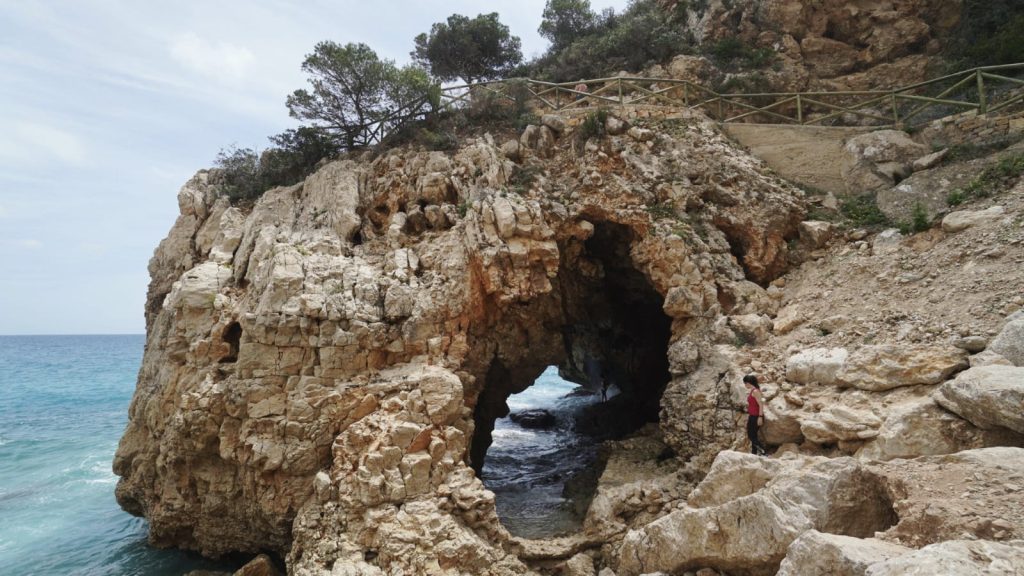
x=590, y=45
x=991, y=180
x=244, y=174
x=989, y=34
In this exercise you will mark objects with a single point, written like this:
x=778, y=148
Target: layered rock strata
x=323, y=370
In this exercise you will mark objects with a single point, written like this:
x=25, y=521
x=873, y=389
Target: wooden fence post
x=982, y=98
x=799, y=110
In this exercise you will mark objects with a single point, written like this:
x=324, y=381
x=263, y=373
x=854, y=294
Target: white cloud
x=92, y=248
x=29, y=243
x=3, y=211
x=33, y=142
x=219, y=60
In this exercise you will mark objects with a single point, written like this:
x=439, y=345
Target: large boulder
x=878, y=159
x=976, y=493
x=964, y=219
x=828, y=58
x=922, y=428
x=819, y=554
x=751, y=328
x=816, y=365
x=537, y=139
x=960, y=557
x=987, y=396
x=840, y=424
x=535, y=419
x=884, y=367
x=832, y=495
x=1009, y=343
x=782, y=422
x=816, y=234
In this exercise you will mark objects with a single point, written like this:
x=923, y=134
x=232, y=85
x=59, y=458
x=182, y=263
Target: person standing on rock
x=755, y=413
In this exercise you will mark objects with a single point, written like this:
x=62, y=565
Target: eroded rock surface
x=323, y=370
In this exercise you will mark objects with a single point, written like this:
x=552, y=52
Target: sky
x=108, y=106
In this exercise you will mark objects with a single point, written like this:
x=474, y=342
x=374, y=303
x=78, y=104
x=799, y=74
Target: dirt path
x=809, y=155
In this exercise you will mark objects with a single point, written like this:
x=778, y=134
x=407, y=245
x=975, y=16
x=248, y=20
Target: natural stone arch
x=601, y=307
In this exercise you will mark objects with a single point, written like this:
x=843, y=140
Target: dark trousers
x=755, y=445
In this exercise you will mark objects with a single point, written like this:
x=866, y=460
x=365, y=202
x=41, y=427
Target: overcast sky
x=108, y=106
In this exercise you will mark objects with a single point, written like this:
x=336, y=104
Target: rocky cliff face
x=826, y=45
x=323, y=371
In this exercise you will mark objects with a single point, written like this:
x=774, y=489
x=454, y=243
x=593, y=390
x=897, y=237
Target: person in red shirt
x=755, y=413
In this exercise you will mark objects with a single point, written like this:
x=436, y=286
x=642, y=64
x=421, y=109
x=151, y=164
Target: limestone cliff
x=824, y=45
x=323, y=370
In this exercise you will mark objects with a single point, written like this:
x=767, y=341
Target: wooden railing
x=984, y=90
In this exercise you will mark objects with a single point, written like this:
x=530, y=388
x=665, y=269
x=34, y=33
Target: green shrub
x=974, y=150
x=243, y=174
x=863, y=211
x=989, y=33
x=732, y=53
x=522, y=178
x=991, y=180
x=662, y=210
x=593, y=126
x=643, y=34
x=919, y=219
x=443, y=140
x=956, y=197
x=237, y=174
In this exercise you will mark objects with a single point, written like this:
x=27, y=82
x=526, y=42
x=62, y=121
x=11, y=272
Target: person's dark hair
x=752, y=380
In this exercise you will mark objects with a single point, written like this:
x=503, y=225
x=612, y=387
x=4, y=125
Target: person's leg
x=752, y=434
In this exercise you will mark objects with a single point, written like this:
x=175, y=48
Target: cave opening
x=232, y=336
x=602, y=322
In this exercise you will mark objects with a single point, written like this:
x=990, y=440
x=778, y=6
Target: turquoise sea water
x=63, y=406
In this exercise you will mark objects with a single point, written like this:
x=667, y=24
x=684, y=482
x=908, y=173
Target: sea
x=528, y=469
x=63, y=407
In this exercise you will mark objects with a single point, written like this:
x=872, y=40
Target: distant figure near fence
x=580, y=87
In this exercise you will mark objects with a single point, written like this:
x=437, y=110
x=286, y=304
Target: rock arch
x=601, y=308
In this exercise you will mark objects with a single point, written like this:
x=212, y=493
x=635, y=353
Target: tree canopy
x=644, y=33
x=354, y=90
x=565, y=21
x=475, y=49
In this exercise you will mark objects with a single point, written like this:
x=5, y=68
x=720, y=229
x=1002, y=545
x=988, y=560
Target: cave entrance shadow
x=602, y=311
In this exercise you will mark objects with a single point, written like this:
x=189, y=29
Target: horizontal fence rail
x=986, y=89
x=982, y=90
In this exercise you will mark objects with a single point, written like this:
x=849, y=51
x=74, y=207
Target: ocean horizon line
x=72, y=334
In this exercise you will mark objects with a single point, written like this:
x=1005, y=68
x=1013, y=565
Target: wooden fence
x=986, y=89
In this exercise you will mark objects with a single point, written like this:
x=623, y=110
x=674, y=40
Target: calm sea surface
x=63, y=406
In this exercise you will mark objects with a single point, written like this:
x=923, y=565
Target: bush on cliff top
x=243, y=174
x=990, y=32
x=644, y=33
